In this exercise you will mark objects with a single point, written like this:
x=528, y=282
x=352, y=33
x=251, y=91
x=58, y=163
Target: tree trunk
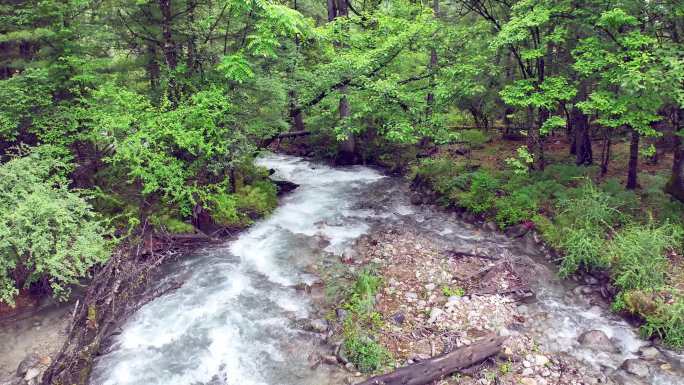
x=332, y=10
x=581, y=139
x=633, y=161
x=170, y=49
x=427, y=371
x=675, y=186
x=347, y=153
x=605, y=152
x=432, y=66
x=296, y=114
x=153, y=71
x=535, y=145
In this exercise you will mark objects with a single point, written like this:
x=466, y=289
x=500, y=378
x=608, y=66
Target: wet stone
x=596, y=340
x=636, y=367
x=27, y=363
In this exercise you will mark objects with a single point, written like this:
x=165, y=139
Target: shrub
x=583, y=248
x=171, y=224
x=362, y=350
x=666, y=322
x=223, y=208
x=589, y=207
x=473, y=138
x=480, y=196
x=638, y=254
x=47, y=232
x=257, y=199
x=515, y=208
x=443, y=175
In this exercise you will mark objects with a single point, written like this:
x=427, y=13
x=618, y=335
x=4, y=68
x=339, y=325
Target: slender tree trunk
x=432, y=66
x=348, y=147
x=153, y=71
x=675, y=186
x=191, y=60
x=633, y=161
x=605, y=152
x=582, y=141
x=535, y=145
x=170, y=49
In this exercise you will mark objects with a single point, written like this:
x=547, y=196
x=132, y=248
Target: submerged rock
x=597, y=340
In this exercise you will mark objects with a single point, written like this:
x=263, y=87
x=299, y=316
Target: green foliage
x=168, y=223
x=47, y=232
x=514, y=208
x=449, y=291
x=584, y=221
x=638, y=253
x=666, y=322
x=359, y=345
x=367, y=354
x=481, y=195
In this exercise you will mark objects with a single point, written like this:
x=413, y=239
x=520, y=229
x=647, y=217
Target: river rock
x=596, y=340
x=318, y=325
x=341, y=314
x=32, y=360
x=435, y=313
x=33, y=375
x=399, y=318
x=649, y=353
x=636, y=367
x=491, y=226
x=517, y=231
x=330, y=360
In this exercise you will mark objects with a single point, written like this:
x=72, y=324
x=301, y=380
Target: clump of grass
x=449, y=291
x=361, y=324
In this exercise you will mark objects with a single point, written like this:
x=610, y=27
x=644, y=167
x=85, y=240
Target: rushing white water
x=230, y=322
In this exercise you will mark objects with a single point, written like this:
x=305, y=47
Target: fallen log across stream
x=427, y=371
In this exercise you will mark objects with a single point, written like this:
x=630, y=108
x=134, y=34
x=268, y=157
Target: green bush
x=583, y=247
x=171, y=224
x=257, y=199
x=240, y=209
x=362, y=350
x=443, y=175
x=638, y=254
x=666, y=322
x=473, y=138
x=367, y=354
x=591, y=208
x=223, y=208
x=481, y=195
x=515, y=208
x=47, y=232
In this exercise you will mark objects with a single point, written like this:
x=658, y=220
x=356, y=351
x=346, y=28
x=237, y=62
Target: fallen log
x=427, y=371
x=293, y=134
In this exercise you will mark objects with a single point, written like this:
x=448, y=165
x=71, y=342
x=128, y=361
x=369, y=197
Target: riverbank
x=445, y=284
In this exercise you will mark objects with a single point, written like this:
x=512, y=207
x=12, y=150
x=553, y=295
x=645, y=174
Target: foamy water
x=230, y=322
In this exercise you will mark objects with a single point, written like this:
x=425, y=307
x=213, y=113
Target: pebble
x=435, y=313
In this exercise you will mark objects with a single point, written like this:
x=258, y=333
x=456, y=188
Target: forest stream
x=231, y=322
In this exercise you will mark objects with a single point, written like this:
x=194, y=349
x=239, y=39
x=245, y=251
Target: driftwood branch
x=427, y=371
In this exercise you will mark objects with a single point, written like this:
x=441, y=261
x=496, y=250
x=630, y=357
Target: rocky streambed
x=253, y=310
